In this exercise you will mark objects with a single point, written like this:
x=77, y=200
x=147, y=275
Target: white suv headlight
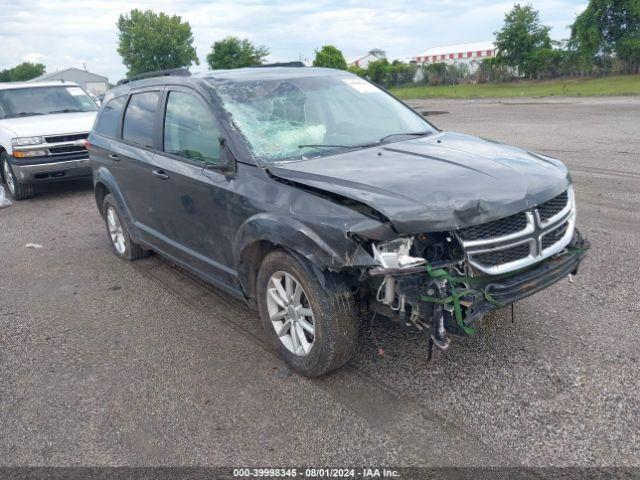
x=25, y=141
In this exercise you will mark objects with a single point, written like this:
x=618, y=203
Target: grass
x=571, y=87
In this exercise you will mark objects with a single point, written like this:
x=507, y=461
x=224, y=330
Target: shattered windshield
x=298, y=118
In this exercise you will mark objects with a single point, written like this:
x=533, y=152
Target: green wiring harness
x=481, y=282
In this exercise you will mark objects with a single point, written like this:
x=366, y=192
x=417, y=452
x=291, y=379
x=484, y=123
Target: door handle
x=161, y=174
x=114, y=157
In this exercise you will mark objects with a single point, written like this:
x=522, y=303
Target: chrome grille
x=497, y=228
x=511, y=243
x=67, y=149
x=66, y=138
x=506, y=255
x=554, y=236
x=554, y=206
x=56, y=145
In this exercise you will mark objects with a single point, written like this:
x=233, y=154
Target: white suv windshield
x=304, y=117
x=21, y=102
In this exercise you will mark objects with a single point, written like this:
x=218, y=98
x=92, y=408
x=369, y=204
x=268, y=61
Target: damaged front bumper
x=504, y=290
x=443, y=300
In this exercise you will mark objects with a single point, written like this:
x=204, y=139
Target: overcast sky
x=64, y=34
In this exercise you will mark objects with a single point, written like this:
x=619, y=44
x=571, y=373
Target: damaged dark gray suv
x=319, y=198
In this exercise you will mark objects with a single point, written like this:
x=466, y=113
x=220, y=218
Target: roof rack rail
x=174, y=72
x=280, y=64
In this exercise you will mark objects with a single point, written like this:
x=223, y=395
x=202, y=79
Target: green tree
x=361, y=72
x=20, y=73
x=378, y=71
x=233, y=52
x=628, y=51
x=148, y=41
x=521, y=37
x=606, y=27
x=492, y=70
x=400, y=73
x=548, y=62
x=435, y=74
x=330, y=57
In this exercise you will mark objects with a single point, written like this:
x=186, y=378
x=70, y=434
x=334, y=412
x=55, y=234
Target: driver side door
x=193, y=195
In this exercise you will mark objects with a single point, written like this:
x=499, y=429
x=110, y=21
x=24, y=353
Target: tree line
x=605, y=39
x=23, y=72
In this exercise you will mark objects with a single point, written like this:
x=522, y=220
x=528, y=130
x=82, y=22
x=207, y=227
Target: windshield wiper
x=412, y=134
x=68, y=110
x=323, y=145
x=365, y=145
x=23, y=114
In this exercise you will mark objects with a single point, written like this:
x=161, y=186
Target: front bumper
x=504, y=290
x=58, y=167
x=465, y=300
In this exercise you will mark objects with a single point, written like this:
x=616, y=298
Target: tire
x=17, y=190
x=118, y=233
x=332, y=309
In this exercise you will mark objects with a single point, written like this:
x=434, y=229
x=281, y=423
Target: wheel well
x=2, y=150
x=250, y=260
x=100, y=192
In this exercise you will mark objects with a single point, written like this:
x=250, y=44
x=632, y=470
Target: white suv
x=43, y=131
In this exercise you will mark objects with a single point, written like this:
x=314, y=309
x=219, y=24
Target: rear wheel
x=18, y=190
x=123, y=246
x=313, y=328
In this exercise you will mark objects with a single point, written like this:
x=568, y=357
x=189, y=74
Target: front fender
x=324, y=247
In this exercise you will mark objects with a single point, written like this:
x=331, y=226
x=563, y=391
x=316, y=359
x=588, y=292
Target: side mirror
x=227, y=163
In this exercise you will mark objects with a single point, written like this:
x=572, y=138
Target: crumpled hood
x=440, y=182
x=52, y=124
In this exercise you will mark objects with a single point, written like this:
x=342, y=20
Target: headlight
x=24, y=141
x=29, y=153
x=395, y=254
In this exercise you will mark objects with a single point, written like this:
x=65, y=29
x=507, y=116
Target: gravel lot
x=104, y=362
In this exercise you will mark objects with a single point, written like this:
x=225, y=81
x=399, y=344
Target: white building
x=96, y=84
x=470, y=54
x=363, y=60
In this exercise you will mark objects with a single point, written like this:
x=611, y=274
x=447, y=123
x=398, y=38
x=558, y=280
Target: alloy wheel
x=8, y=176
x=290, y=313
x=115, y=230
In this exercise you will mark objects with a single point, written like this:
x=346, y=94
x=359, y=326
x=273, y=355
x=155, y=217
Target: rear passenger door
x=132, y=159
x=193, y=200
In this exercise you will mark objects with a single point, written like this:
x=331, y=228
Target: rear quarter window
x=109, y=117
x=139, y=118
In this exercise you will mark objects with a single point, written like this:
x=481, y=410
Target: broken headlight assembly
x=394, y=257
x=396, y=254
x=406, y=256
x=403, y=280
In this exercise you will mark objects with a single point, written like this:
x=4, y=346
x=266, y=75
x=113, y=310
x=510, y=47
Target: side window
x=109, y=118
x=190, y=130
x=139, y=118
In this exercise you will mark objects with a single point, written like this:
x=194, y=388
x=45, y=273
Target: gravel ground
x=104, y=362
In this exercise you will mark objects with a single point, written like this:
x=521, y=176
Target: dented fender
x=328, y=248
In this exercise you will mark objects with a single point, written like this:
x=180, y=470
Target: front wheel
x=314, y=328
x=18, y=190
